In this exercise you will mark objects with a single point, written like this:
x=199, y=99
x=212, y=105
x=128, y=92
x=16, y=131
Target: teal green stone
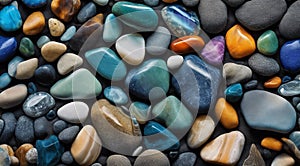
x=10, y=18
x=267, y=43
x=115, y=95
x=70, y=32
x=234, y=92
x=42, y=40
x=135, y=15
x=106, y=63
x=112, y=28
x=26, y=47
x=141, y=111
x=4, y=80
x=173, y=114
x=81, y=84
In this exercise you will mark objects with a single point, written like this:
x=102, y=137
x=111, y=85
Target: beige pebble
x=13, y=96
x=152, y=157
x=14, y=161
x=26, y=69
x=283, y=160
x=8, y=149
x=53, y=50
x=68, y=62
x=118, y=160
x=21, y=153
x=56, y=27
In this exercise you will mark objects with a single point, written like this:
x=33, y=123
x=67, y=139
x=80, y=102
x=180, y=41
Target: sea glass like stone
x=26, y=47
x=115, y=95
x=112, y=28
x=267, y=43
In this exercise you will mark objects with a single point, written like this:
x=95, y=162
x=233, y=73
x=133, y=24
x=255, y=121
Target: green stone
x=267, y=43
x=26, y=47
x=81, y=84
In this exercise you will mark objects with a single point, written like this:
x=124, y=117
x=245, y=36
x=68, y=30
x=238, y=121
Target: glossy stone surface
x=267, y=43
x=68, y=34
x=118, y=160
x=174, y=62
x=74, y=112
x=152, y=157
x=13, y=96
x=141, y=111
x=234, y=92
x=272, y=144
x=187, y=44
x=115, y=95
x=295, y=137
x=10, y=18
x=4, y=80
x=25, y=69
x=68, y=62
x=158, y=42
x=86, y=12
x=291, y=88
x=274, y=82
x=289, y=55
x=8, y=46
x=45, y=75
x=65, y=9
x=112, y=28
x=283, y=159
x=34, y=23
x=12, y=65
x=235, y=73
x=31, y=88
x=213, y=51
x=34, y=3
x=254, y=158
x=226, y=114
x=26, y=47
x=101, y=2
x=52, y=50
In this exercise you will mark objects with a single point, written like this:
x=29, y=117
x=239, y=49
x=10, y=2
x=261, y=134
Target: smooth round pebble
x=34, y=23
x=151, y=2
x=59, y=126
x=45, y=75
x=67, y=158
x=4, y=80
x=235, y=73
x=174, y=62
x=74, y=112
x=25, y=69
x=26, y=47
x=13, y=96
x=68, y=62
x=86, y=12
x=119, y=160
x=42, y=41
x=53, y=50
x=283, y=160
x=69, y=33
x=190, y=3
x=157, y=43
x=152, y=157
x=68, y=135
x=31, y=156
x=42, y=128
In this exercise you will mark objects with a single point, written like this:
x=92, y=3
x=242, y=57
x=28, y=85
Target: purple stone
x=213, y=52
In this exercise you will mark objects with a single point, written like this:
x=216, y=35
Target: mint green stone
x=26, y=47
x=135, y=15
x=267, y=43
x=42, y=40
x=81, y=84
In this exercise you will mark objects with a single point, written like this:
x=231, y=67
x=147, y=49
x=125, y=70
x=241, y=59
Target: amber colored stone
x=239, y=42
x=274, y=82
x=170, y=1
x=227, y=114
x=21, y=153
x=34, y=23
x=65, y=9
x=271, y=143
x=187, y=44
x=8, y=149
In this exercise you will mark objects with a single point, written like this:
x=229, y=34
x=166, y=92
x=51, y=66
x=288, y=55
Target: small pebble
x=63, y=11
x=174, y=62
x=86, y=12
x=25, y=69
x=42, y=41
x=119, y=160
x=53, y=50
x=56, y=27
x=187, y=44
x=68, y=135
x=289, y=55
x=186, y=159
x=274, y=82
x=227, y=114
x=67, y=158
x=21, y=153
x=9, y=128
x=251, y=85
x=42, y=128
x=24, y=131
x=51, y=115
x=151, y=3
x=74, y=112
x=283, y=160
x=4, y=80
x=263, y=65
x=271, y=143
x=31, y=88
x=235, y=73
x=213, y=51
x=59, y=126
x=286, y=79
x=295, y=137
x=152, y=157
x=34, y=23
x=31, y=156
x=115, y=95
x=157, y=43
x=13, y=96
x=112, y=28
x=69, y=33
x=11, y=19
x=45, y=75
x=234, y=92
x=12, y=65
x=254, y=158
x=101, y=2
x=68, y=62
x=287, y=24
x=35, y=3
x=8, y=47
x=267, y=43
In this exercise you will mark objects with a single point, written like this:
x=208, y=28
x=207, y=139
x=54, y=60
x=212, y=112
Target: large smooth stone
x=8, y=46
x=263, y=65
x=199, y=90
x=267, y=43
x=74, y=112
x=24, y=131
x=291, y=88
x=261, y=114
x=116, y=95
x=13, y=96
x=131, y=48
x=45, y=75
x=34, y=3
x=106, y=63
x=112, y=28
x=8, y=131
x=181, y=21
x=283, y=160
x=150, y=80
x=213, y=51
x=68, y=62
x=4, y=80
x=134, y=14
x=25, y=69
x=158, y=42
x=65, y=9
x=10, y=18
x=258, y=15
x=226, y=149
x=254, y=158
x=34, y=23
x=52, y=50
x=288, y=25
x=289, y=55
x=72, y=86
x=86, y=12
x=235, y=73
x=12, y=65
x=152, y=157
x=123, y=136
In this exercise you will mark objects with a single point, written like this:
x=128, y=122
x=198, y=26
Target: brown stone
x=34, y=23
x=8, y=149
x=53, y=50
x=21, y=153
x=254, y=158
x=65, y=9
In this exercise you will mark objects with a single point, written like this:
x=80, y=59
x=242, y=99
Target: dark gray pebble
x=234, y=3
x=263, y=65
x=289, y=25
x=59, y=126
x=251, y=85
x=24, y=130
x=42, y=128
x=186, y=159
x=67, y=158
x=68, y=135
x=45, y=75
x=86, y=12
x=9, y=127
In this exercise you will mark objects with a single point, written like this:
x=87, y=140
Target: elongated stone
x=272, y=144
x=53, y=50
x=24, y=131
x=4, y=80
x=263, y=65
x=68, y=62
x=69, y=33
x=74, y=112
x=13, y=96
x=274, y=82
x=213, y=51
x=26, y=47
x=291, y=88
x=227, y=114
x=267, y=43
x=10, y=18
x=25, y=69
x=65, y=9
x=116, y=95
x=174, y=62
x=12, y=65
x=8, y=46
x=86, y=12
x=34, y=23
x=42, y=41
x=187, y=44
x=112, y=28
x=235, y=73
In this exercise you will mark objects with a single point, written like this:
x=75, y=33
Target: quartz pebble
x=65, y=9
x=86, y=12
x=283, y=160
x=25, y=69
x=53, y=50
x=267, y=43
x=254, y=158
x=271, y=143
x=174, y=62
x=13, y=96
x=291, y=88
x=21, y=153
x=56, y=27
x=152, y=157
x=68, y=34
x=227, y=114
x=213, y=51
x=31, y=156
x=74, y=112
x=26, y=47
x=68, y=62
x=235, y=73
x=263, y=65
x=34, y=23
x=118, y=160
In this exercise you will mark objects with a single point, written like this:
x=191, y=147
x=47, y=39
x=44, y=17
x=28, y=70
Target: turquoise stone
x=181, y=21
x=12, y=65
x=8, y=46
x=267, y=43
x=115, y=95
x=34, y=3
x=31, y=88
x=173, y=114
x=135, y=15
x=42, y=40
x=81, y=84
x=150, y=80
x=112, y=28
x=49, y=150
x=295, y=137
x=4, y=80
x=10, y=18
x=106, y=63
x=4, y=158
x=141, y=111
x=70, y=32
x=158, y=137
x=234, y=92
x=26, y=47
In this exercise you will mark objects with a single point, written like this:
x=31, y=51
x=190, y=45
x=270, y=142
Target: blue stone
x=34, y=3
x=158, y=137
x=291, y=88
x=69, y=33
x=234, y=92
x=4, y=80
x=51, y=115
x=49, y=150
x=4, y=158
x=106, y=63
x=8, y=46
x=12, y=65
x=140, y=111
x=112, y=28
x=286, y=79
x=115, y=95
x=31, y=87
x=289, y=55
x=45, y=75
x=42, y=40
x=86, y=12
x=10, y=18
x=295, y=137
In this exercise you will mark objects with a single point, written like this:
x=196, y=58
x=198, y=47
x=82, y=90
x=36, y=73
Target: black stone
x=45, y=75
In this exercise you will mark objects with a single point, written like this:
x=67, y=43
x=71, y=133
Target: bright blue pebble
x=35, y=3
x=289, y=55
x=234, y=92
x=8, y=46
x=31, y=88
x=115, y=95
x=4, y=80
x=12, y=65
x=286, y=79
x=70, y=32
x=10, y=18
x=295, y=137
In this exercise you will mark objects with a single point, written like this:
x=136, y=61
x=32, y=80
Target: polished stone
x=65, y=9
x=34, y=3
x=289, y=55
x=12, y=65
x=26, y=47
x=116, y=95
x=112, y=28
x=4, y=80
x=10, y=18
x=8, y=46
x=267, y=43
x=68, y=34
x=45, y=75
x=234, y=92
x=34, y=23
x=213, y=51
x=86, y=12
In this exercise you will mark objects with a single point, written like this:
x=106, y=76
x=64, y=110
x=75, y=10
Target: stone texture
x=34, y=23
x=254, y=158
x=68, y=62
x=152, y=157
x=288, y=25
x=25, y=69
x=53, y=50
x=13, y=96
x=235, y=73
x=65, y=9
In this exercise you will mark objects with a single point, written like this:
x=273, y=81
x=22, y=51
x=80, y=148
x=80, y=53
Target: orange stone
x=239, y=42
x=227, y=114
x=65, y=9
x=274, y=82
x=21, y=153
x=34, y=23
x=271, y=143
x=187, y=44
x=169, y=1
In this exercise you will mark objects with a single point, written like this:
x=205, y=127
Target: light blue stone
x=159, y=41
x=34, y=3
x=295, y=137
x=141, y=111
x=291, y=88
x=112, y=28
x=86, y=12
x=8, y=46
x=101, y=2
x=234, y=92
x=4, y=80
x=10, y=18
x=42, y=40
x=106, y=63
x=4, y=158
x=70, y=32
x=12, y=65
x=115, y=95
x=31, y=88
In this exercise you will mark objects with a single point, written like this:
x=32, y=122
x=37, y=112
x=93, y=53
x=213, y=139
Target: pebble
x=13, y=96
x=68, y=34
x=8, y=46
x=24, y=131
x=68, y=135
x=65, y=9
x=59, y=126
x=151, y=3
x=26, y=47
x=87, y=146
x=8, y=149
x=14, y=161
x=123, y=10
x=267, y=43
x=289, y=55
x=116, y=95
x=31, y=156
x=213, y=51
x=254, y=158
x=237, y=35
x=68, y=62
x=35, y=3
x=56, y=27
x=263, y=65
x=5, y=2
x=226, y=149
x=287, y=26
x=274, y=82
x=1, y=126
x=227, y=114
x=42, y=128
x=53, y=50
x=262, y=116
x=25, y=69
x=283, y=160
x=295, y=101
x=201, y=131
x=21, y=153
x=4, y=158
x=101, y=2
x=187, y=44
x=38, y=104
x=4, y=80
x=158, y=42
x=180, y=21
x=42, y=41
x=119, y=160
x=271, y=143
x=291, y=88
x=234, y=93
x=251, y=85
x=45, y=75
x=34, y=23
x=174, y=62
x=9, y=127
x=186, y=159
x=152, y=157
x=10, y=18
x=106, y=63
x=86, y=12
x=235, y=73
x=131, y=48
x=31, y=88
x=51, y=115
x=67, y=158
x=141, y=111
x=12, y=65
x=190, y=3
x=112, y=28
x=258, y=15
x=295, y=137
x=234, y=3
x=291, y=147
x=286, y=79
x=74, y=112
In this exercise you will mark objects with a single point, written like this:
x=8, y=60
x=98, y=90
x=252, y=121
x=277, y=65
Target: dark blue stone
x=67, y=158
x=31, y=88
x=251, y=85
x=8, y=46
x=24, y=130
x=34, y=3
x=295, y=137
x=8, y=131
x=234, y=92
x=45, y=75
x=289, y=55
x=51, y=115
x=42, y=128
x=286, y=79
x=59, y=126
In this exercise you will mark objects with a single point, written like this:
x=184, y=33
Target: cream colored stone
x=68, y=62
x=56, y=27
x=152, y=157
x=53, y=50
x=118, y=160
x=174, y=62
x=8, y=149
x=26, y=69
x=283, y=160
x=13, y=96
x=74, y=112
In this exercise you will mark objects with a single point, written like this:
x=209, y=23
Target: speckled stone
x=56, y=27
x=65, y=9
x=254, y=158
x=152, y=157
x=68, y=135
x=185, y=159
x=235, y=73
x=263, y=65
x=9, y=127
x=24, y=131
x=68, y=62
x=119, y=160
x=4, y=158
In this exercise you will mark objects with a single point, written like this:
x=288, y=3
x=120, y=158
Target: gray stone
x=9, y=127
x=159, y=41
x=186, y=159
x=5, y=2
x=59, y=126
x=67, y=158
x=32, y=156
x=42, y=128
x=68, y=135
x=1, y=126
x=234, y=3
x=152, y=157
x=24, y=130
x=254, y=158
x=118, y=160
x=151, y=2
x=283, y=160
x=235, y=73
x=263, y=65
x=4, y=158
x=190, y=3
x=87, y=11
x=289, y=25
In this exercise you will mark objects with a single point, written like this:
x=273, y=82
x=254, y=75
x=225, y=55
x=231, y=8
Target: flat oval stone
x=56, y=27
x=65, y=9
x=235, y=73
x=291, y=88
x=134, y=14
x=274, y=82
x=24, y=131
x=74, y=112
x=106, y=63
x=158, y=42
x=226, y=114
x=262, y=116
x=118, y=160
x=263, y=65
x=8, y=131
x=12, y=65
x=26, y=47
x=201, y=131
x=53, y=50
x=112, y=28
x=258, y=15
x=152, y=157
x=254, y=158
x=68, y=34
x=67, y=158
x=42, y=41
x=68, y=62
x=187, y=44
x=141, y=111
x=283, y=160
x=34, y=23
x=8, y=46
x=287, y=26
x=181, y=21
x=271, y=143
x=13, y=96
x=213, y=51
x=234, y=92
x=174, y=62
x=131, y=48
x=10, y=18
x=68, y=135
x=42, y=128
x=34, y=3
x=226, y=149
x=25, y=69
x=289, y=55
x=45, y=75
x=38, y=104
x=5, y=159
x=116, y=95
x=267, y=43
x=86, y=12
x=72, y=86
x=4, y=80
